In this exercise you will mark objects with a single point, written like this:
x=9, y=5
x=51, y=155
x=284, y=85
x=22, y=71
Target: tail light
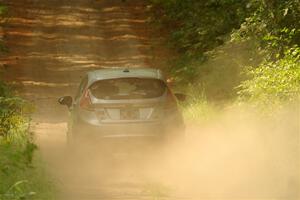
x=85, y=102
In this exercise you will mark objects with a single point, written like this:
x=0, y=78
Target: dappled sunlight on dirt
x=62, y=27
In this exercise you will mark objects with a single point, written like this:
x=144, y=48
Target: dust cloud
x=239, y=155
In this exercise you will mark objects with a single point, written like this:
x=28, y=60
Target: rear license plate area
x=129, y=114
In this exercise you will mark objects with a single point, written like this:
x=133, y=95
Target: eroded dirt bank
x=53, y=43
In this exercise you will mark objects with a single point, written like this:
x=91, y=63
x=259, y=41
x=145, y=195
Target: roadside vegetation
x=233, y=51
x=21, y=173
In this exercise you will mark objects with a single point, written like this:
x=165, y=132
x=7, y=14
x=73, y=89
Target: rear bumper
x=119, y=130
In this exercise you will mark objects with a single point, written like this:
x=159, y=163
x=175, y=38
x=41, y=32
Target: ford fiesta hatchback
x=124, y=103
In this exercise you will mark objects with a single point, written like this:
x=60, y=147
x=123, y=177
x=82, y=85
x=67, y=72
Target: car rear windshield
x=128, y=88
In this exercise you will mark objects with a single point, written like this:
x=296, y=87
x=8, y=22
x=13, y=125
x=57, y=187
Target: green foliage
x=218, y=76
x=30, y=183
x=184, y=69
x=16, y=191
x=197, y=107
x=273, y=24
x=197, y=27
x=274, y=82
x=3, y=9
x=19, y=178
x=12, y=120
x=5, y=91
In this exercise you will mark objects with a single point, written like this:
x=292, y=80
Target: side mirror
x=180, y=97
x=66, y=100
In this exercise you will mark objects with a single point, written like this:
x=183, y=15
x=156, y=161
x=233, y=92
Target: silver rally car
x=124, y=103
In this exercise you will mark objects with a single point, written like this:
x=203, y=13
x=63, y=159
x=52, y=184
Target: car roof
x=112, y=73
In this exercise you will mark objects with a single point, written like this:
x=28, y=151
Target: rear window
x=128, y=88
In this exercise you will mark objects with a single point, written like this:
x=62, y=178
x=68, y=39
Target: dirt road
x=51, y=45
